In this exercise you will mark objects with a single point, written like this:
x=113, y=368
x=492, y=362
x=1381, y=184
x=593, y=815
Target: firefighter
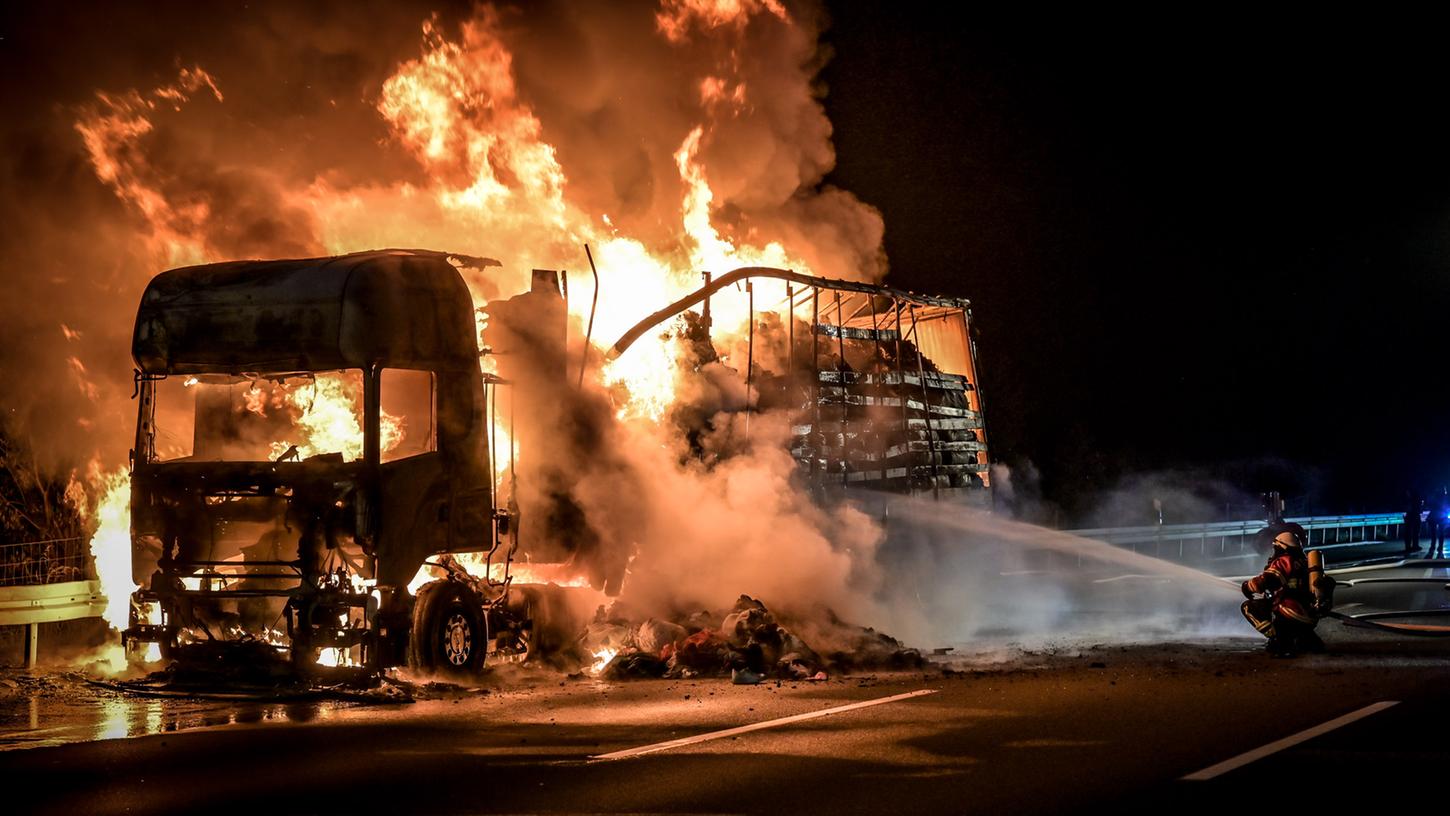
x=1414, y=513
x=1280, y=603
x=1439, y=518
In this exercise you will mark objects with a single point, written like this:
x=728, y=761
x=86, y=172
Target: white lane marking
x=745, y=729
x=1288, y=742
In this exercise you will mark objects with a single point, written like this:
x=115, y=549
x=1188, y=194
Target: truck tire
x=449, y=636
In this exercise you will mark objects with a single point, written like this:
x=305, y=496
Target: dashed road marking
x=745, y=729
x=1288, y=742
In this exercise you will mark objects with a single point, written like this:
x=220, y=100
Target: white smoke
x=960, y=577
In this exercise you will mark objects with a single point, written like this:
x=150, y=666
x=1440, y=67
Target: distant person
x=1273, y=508
x=1439, y=512
x=1414, y=509
x=1280, y=604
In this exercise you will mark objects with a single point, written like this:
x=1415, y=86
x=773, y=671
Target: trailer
x=882, y=383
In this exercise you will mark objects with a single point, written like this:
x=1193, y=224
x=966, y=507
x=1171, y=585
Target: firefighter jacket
x=1286, y=581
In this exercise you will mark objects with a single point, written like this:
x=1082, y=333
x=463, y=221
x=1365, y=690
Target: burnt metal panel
x=397, y=308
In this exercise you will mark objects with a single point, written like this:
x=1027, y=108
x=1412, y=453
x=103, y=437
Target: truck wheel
x=449, y=636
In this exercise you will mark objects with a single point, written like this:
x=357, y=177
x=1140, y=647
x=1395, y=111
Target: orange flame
x=491, y=184
x=601, y=660
x=676, y=17
x=110, y=130
x=491, y=172
x=476, y=563
x=331, y=420
x=111, y=545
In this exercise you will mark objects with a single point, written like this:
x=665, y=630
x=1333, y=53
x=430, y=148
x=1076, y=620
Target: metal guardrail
x=1323, y=531
x=49, y=603
x=46, y=582
x=30, y=606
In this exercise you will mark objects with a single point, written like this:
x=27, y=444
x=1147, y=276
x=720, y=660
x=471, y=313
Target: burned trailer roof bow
x=882, y=382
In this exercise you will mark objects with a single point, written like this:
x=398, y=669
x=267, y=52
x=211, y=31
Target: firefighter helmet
x=1287, y=539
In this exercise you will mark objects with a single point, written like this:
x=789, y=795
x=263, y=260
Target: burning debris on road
x=747, y=644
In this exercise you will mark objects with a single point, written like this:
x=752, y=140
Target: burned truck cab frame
x=342, y=538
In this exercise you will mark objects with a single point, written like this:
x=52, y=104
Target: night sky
x=1219, y=248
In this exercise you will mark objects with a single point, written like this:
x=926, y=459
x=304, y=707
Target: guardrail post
x=32, y=644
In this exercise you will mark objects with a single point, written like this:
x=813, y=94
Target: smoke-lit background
x=1217, y=248
x=1204, y=263
x=673, y=137
x=144, y=138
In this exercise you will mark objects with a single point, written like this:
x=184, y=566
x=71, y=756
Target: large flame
x=490, y=181
x=329, y=420
x=494, y=182
x=491, y=172
x=111, y=546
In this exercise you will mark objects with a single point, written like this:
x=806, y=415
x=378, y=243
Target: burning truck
x=335, y=471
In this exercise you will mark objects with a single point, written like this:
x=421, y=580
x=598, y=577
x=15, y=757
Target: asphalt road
x=1114, y=729
x=1053, y=731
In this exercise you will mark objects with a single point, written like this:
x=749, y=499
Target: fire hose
x=1415, y=629
x=1316, y=570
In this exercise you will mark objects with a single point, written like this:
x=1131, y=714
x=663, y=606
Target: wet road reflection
x=49, y=710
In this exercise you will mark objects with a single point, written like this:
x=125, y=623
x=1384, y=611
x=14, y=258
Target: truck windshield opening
x=259, y=418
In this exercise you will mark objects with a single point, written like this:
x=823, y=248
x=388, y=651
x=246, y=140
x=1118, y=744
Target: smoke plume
x=673, y=137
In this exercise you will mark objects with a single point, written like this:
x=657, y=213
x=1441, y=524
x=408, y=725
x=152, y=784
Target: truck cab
x=310, y=433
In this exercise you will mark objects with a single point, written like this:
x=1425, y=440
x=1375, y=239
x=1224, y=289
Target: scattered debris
x=747, y=644
x=635, y=665
x=654, y=635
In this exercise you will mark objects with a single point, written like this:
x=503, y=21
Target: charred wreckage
x=303, y=554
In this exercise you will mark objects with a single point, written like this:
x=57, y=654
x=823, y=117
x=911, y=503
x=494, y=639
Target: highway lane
x=1114, y=727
